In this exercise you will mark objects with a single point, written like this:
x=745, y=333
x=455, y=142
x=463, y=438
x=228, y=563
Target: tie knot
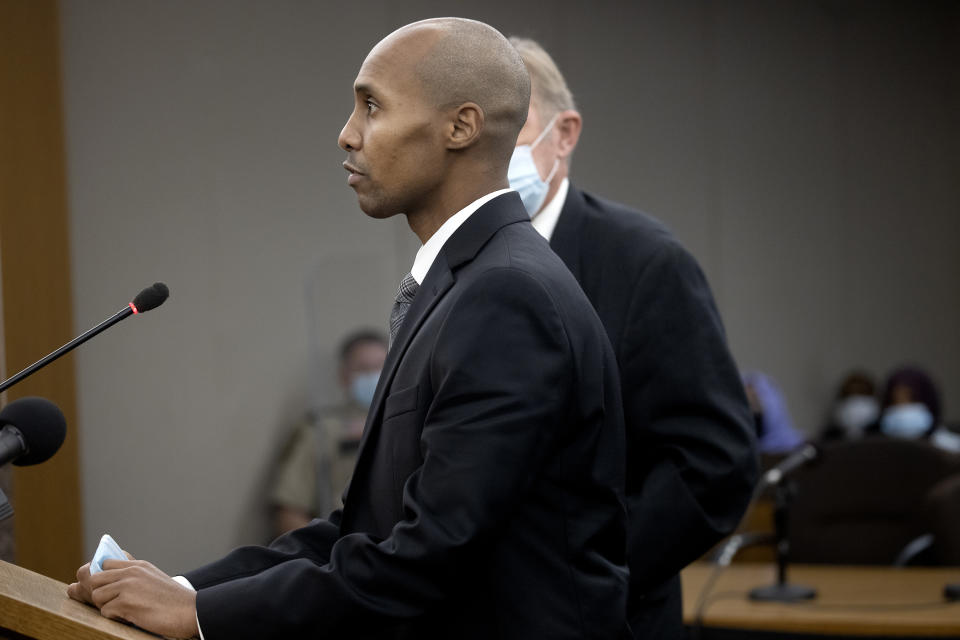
x=407, y=289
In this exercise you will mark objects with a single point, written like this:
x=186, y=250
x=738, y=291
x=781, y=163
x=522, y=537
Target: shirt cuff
x=183, y=582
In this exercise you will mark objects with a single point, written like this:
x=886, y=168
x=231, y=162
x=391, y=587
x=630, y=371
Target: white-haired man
x=691, y=464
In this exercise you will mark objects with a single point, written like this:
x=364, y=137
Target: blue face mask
x=525, y=177
x=856, y=413
x=906, y=420
x=362, y=388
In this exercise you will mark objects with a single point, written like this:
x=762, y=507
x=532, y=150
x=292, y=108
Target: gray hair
x=551, y=95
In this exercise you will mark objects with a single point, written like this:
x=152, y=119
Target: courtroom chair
x=942, y=510
x=867, y=499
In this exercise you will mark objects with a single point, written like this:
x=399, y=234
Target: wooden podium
x=35, y=607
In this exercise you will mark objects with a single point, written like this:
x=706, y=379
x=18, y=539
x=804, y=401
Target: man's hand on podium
x=135, y=591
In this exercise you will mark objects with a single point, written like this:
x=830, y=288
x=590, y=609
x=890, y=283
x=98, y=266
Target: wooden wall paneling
x=35, y=255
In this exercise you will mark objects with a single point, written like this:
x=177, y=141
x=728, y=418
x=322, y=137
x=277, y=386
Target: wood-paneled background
x=35, y=262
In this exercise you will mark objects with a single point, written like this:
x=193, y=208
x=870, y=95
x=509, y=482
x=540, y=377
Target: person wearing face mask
x=317, y=462
x=855, y=410
x=691, y=448
x=912, y=410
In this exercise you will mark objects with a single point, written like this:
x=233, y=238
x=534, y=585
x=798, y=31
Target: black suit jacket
x=691, y=461
x=487, y=497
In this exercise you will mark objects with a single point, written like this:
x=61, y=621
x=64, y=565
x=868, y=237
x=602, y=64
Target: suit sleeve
x=500, y=372
x=693, y=461
x=312, y=542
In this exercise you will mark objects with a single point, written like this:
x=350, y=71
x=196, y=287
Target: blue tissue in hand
x=106, y=550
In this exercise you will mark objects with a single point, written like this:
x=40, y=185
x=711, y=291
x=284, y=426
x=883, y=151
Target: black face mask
x=758, y=422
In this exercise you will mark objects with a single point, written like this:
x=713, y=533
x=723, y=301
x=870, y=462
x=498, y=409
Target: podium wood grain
x=35, y=606
x=854, y=601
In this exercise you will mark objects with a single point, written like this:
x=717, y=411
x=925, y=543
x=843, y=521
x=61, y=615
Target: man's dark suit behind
x=691, y=462
x=487, y=498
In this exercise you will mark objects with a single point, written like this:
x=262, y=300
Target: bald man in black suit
x=487, y=501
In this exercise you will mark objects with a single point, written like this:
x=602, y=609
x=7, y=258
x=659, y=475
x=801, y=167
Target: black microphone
x=31, y=431
x=724, y=556
x=150, y=298
x=803, y=456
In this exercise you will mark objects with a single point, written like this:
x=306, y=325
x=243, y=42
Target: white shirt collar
x=546, y=221
x=431, y=248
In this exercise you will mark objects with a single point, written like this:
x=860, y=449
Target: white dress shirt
x=431, y=248
x=183, y=582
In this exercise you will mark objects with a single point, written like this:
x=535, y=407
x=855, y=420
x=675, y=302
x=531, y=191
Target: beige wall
x=806, y=152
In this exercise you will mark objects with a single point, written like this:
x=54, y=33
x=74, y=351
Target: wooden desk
x=34, y=606
x=851, y=601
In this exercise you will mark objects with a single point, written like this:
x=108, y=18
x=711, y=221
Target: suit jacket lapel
x=460, y=248
x=566, y=238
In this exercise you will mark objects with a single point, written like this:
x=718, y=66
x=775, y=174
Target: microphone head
x=803, y=456
x=151, y=297
x=42, y=425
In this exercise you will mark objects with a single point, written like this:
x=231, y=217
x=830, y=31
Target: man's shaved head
x=469, y=61
x=438, y=106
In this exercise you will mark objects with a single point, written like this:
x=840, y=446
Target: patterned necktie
x=405, y=293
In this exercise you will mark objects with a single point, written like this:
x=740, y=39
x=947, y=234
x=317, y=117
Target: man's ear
x=569, y=123
x=466, y=123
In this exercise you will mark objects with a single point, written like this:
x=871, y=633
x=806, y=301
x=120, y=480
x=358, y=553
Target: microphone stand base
x=783, y=593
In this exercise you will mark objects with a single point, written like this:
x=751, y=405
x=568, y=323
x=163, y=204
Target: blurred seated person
x=318, y=460
x=911, y=409
x=775, y=432
x=855, y=409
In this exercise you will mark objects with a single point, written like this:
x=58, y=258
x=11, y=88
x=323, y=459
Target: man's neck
x=425, y=222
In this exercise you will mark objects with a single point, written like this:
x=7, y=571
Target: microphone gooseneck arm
x=148, y=299
x=70, y=346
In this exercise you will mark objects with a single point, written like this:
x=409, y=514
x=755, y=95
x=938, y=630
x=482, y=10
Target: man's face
x=393, y=138
x=364, y=357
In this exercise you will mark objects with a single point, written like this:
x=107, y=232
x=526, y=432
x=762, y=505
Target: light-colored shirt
x=183, y=582
x=431, y=248
x=546, y=220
